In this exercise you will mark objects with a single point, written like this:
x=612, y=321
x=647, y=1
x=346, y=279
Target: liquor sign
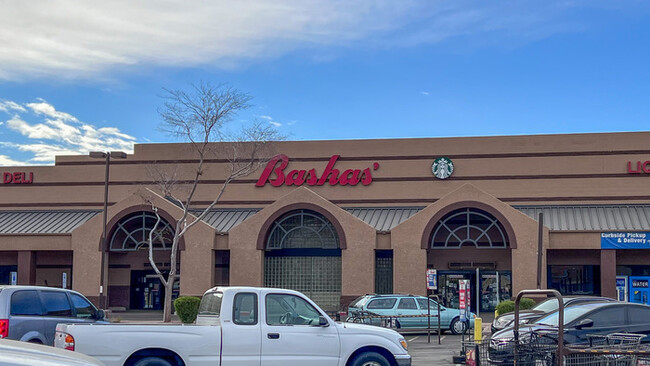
x=623, y=240
x=275, y=174
x=638, y=167
x=432, y=279
x=17, y=178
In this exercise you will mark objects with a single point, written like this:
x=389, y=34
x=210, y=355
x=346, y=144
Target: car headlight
x=405, y=345
x=502, y=322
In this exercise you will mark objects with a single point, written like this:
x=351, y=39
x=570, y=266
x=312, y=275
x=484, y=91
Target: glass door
x=496, y=286
x=448, y=287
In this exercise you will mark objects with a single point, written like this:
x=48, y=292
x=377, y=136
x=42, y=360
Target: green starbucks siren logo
x=442, y=168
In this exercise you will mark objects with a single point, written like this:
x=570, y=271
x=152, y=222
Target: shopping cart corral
x=543, y=344
x=540, y=349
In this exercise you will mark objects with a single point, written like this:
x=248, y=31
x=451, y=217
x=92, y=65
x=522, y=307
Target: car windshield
x=570, y=314
x=359, y=302
x=547, y=306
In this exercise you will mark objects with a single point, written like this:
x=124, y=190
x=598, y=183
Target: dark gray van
x=31, y=313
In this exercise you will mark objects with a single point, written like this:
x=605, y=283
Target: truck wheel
x=152, y=361
x=370, y=359
x=457, y=327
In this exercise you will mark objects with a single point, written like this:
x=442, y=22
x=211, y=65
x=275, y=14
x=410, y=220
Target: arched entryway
x=303, y=253
x=471, y=244
x=132, y=282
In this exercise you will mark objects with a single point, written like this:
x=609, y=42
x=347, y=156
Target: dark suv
x=31, y=313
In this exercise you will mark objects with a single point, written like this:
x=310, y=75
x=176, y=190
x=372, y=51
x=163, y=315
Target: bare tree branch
x=200, y=116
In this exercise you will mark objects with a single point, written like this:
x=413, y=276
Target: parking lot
x=424, y=353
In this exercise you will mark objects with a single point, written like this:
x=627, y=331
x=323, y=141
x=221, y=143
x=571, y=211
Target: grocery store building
x=337, y=219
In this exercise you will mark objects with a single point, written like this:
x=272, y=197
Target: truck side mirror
x=322, y=321
x=100, y=314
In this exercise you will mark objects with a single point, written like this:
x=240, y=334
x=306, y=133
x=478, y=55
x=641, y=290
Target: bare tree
x=200, y=117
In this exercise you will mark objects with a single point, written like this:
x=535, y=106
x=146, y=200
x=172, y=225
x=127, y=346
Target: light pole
x=105, y=155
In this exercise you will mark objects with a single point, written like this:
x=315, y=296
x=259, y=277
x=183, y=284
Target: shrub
x=509, y=305
x=187, y=307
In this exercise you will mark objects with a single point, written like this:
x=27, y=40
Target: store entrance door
x=494, y=287
x=147, y=292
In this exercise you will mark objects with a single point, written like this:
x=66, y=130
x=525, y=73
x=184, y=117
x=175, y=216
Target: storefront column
x=608, y=273
x=26, y=267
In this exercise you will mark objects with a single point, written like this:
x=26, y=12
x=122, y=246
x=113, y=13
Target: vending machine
x=622, y=288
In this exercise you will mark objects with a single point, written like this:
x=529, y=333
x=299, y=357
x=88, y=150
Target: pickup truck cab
x=241, y=326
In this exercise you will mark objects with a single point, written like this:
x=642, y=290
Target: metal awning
x=556, y=218
x=43, y=222
x=592, y=217
x=384, y=218
x=225, y=219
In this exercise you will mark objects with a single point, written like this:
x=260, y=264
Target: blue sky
x=78, y=76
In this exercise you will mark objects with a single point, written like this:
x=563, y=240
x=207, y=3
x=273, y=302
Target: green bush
x=187, y=307
x=509, y=305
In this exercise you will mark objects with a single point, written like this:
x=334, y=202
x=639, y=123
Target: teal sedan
x=409, y=312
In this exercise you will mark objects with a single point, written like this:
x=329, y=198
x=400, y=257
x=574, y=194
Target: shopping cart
x=616, y=349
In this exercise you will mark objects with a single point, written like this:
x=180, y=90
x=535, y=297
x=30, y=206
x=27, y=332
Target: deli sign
x=277, y=174
x=17, y=178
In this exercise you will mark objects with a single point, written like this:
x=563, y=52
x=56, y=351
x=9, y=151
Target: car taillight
x=4, y=328
x=65, y=340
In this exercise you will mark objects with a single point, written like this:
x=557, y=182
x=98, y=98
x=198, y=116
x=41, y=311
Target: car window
x=407, y=303
x=639, y=315
x=382, y=303
x=608, y=317
x=244, y=311
x=284, y=309
x=83, y=307
x=422, y=302
x=571, y=313
x=56, y=303
x=26, y=303
x=211, y=304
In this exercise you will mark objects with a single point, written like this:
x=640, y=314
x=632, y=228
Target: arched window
x=469, y=227
x=302, y=229
x=303, y=254
x=132, y=233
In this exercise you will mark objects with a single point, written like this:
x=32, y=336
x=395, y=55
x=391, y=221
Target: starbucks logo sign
x=442, y=168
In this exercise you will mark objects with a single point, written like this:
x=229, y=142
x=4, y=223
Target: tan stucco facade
x=497, y=175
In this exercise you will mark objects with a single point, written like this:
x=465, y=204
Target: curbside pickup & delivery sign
x=622, y=240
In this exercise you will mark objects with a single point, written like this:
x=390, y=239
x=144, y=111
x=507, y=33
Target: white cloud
x=59, y=133
x=9, y=106
x=87, y=38
x=7, y=161
x=42, y=107
x=270, y=120
x=426, y=93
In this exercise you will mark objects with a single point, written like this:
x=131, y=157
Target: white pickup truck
x=247, y=326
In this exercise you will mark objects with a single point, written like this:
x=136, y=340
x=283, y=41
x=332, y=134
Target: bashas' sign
x=275, y=174
x=625, y=240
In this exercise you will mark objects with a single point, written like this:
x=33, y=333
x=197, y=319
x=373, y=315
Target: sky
x=78, y=76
